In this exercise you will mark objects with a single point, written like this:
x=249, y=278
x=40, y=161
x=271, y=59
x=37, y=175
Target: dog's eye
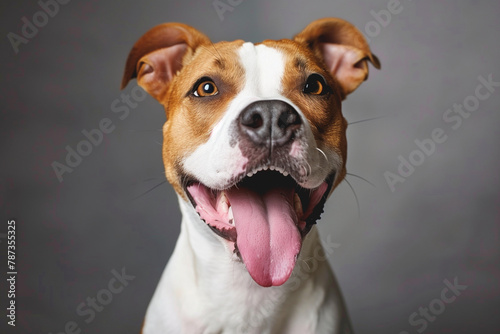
x=316, y=85
x=206, y=87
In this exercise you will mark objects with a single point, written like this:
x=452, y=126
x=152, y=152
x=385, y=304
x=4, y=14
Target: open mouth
x=266, y=215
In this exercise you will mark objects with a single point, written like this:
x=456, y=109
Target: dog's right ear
x=343, y=49
x=159, y=54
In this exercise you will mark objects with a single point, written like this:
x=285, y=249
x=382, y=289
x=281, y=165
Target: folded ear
x=159, y=54
x=343, y=49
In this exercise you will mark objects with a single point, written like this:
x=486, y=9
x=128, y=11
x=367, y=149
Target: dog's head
x=255, y=137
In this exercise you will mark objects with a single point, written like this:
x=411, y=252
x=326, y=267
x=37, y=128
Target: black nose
x=271, y=123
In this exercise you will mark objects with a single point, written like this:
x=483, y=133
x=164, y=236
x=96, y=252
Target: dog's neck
x=203, y=261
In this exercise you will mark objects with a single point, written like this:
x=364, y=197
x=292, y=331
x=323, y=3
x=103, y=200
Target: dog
x=254, y=143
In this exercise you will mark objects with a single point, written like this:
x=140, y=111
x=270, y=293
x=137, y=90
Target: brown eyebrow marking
x=301, y=64
x=219, y=63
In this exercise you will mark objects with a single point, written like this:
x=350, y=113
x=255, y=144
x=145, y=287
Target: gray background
x=442, y=223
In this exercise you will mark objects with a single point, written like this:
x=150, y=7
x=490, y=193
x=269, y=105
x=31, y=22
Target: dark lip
x=319, y=208
x=230, y=233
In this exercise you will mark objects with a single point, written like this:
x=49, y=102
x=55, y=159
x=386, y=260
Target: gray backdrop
x=393, y=257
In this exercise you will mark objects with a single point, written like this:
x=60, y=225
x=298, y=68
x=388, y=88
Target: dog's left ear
x=159, y=54
x=342, y=48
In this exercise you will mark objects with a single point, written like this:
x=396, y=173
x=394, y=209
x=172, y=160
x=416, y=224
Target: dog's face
x=254, y=137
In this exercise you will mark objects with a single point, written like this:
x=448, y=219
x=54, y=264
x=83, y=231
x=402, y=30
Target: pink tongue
x=268, y=238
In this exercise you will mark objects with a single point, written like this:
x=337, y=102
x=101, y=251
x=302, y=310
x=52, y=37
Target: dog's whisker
x=220, y=57
x=310, y=168
x=355, y=196
x=148, y=191
x=152, y=179
x=305, y=170
x=208, y=50
x=360, y=177
x=321, y=151
x=136, y=131
x=369, y=119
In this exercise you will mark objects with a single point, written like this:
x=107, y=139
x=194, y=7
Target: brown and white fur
x=242, y=120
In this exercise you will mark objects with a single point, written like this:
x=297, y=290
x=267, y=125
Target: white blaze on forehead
x=264, y=67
